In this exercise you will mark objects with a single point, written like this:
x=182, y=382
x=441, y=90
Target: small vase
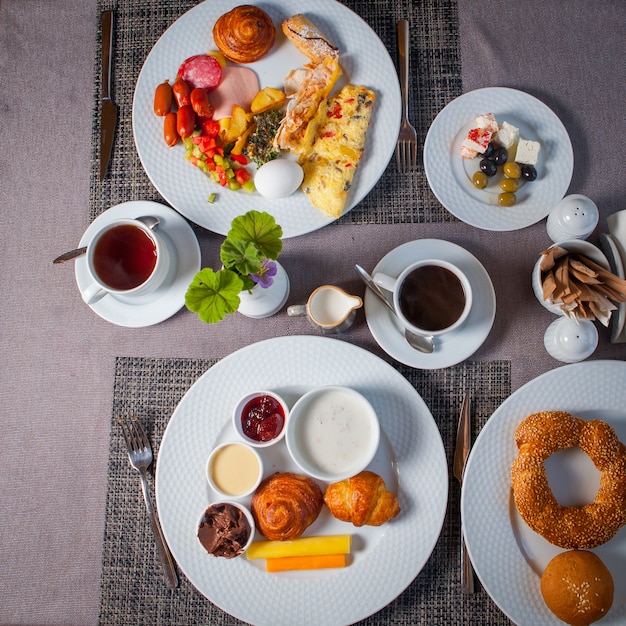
x=260, y=302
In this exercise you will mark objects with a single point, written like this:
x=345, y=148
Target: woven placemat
x=133, y=590
x=435, y=76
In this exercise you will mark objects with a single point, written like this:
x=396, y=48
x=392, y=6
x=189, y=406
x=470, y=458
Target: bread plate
x=411, y=459
x=508, y=557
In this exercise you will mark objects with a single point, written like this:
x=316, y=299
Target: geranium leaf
x=241, y=256
x=260, y=229
x=213, y=295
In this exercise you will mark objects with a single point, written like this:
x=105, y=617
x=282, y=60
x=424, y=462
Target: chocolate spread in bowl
x=224, y=530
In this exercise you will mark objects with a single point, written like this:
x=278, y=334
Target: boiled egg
x=278, y=178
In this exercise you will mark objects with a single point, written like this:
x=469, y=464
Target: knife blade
x=108, y=110
x=461, y=452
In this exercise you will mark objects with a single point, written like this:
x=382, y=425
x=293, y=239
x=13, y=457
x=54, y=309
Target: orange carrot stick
x=320, y=561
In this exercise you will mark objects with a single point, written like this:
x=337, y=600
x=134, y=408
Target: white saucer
x=154, y=307
x=453, y=347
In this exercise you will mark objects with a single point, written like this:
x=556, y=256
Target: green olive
x=510, y=185
x=512, y=170
x=480, y=180
x=507, y=199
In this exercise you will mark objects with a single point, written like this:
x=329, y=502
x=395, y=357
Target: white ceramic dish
x=508, y=557
x=245, y=510
x=364, y=60
x=240, y=407
x=169, y=298
x=618, y=319
x=453, y=347
x=254, y=472
x=411, y=459
x=449, y=175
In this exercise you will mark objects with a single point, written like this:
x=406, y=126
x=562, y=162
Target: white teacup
x=329, y=309
x=125, y=258
x=431, y=297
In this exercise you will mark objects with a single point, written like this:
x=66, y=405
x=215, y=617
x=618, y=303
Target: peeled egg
x=278, y=178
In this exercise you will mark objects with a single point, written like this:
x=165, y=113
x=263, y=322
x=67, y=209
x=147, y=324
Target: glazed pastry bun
x=245, y=34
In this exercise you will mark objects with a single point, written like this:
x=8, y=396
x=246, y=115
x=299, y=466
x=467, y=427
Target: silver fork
x=406, y=149
x=140, y=457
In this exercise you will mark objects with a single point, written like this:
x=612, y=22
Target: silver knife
x=108, y=110
x=461, y=452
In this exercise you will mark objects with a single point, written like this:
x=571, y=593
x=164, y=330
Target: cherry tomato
x=181, y=92
x=170, y=134
x=163, y=99
x=200, y=102
x=185, y=121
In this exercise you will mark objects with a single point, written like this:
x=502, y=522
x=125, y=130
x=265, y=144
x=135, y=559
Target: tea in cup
x=431, y=297
x=329, y=308
x=125, y=258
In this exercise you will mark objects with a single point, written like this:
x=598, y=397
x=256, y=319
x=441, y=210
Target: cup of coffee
x=431, y=297
x=125, y=258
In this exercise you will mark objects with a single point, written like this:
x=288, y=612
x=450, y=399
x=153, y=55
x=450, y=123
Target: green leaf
x=213, y=295
x=242, y=256
x=260, y=229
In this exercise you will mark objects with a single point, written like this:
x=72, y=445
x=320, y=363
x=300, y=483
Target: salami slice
x=201, y=70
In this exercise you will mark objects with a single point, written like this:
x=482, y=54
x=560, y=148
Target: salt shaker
x=569, y=340
x=574, y=217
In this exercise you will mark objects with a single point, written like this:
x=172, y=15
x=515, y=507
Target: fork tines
x=133, y=432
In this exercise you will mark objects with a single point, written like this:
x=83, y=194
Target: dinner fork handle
x=403, y=53
x=166, y=558
x=467, y=575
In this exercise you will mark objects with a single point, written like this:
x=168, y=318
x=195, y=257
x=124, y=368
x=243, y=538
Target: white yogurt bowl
x=332, y=433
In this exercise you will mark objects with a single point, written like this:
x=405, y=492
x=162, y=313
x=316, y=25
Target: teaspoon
x=419, y=342
x=150, y=221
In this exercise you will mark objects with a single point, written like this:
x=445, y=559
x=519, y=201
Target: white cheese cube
x=488, y=122
x=476, y=141
x=507, y=135
x=527, y=152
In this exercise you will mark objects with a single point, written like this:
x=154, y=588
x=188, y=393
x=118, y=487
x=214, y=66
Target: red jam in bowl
x=263, y=418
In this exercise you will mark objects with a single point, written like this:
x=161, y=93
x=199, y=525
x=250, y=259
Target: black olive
x=489, y=167
x=500, y=155
x=529, y=172
x=488, y=153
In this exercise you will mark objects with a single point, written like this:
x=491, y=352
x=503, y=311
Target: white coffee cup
x=125, y=258
x=431, y=297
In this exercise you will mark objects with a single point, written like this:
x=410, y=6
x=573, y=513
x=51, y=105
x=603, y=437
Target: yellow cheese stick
x=303, y=546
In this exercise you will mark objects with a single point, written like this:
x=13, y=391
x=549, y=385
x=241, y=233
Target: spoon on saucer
x=150, y=221
x=419, y=342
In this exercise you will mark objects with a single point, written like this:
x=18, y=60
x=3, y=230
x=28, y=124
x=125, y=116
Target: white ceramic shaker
x=569, y=340
x=574, y=217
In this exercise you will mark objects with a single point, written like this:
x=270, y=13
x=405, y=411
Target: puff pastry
x=245, y=34
x=363, y=500
x=285, y=505
x=308, y=38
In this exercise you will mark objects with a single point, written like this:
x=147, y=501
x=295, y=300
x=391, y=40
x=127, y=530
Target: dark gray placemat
x=435, y=76
x=132, y=588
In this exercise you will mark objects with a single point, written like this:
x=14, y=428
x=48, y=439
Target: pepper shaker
x=574, y=217
x=570, y=340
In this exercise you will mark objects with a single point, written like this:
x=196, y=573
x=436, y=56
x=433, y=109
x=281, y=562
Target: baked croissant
x=284, y=505
x=363, y=500
x=245, y=34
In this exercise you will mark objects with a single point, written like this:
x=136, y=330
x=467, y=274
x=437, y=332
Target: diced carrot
x=321, y=561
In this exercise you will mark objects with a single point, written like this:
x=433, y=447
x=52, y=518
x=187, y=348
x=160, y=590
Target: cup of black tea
x=125, y=258
x=431, y=297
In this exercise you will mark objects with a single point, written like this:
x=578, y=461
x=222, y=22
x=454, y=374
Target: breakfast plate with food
x=273, y=111
x=386, y=554
x=573, y=418
x=498, y=158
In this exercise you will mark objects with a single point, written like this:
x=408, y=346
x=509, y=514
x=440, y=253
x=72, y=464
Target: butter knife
x=108, y=110
x=461, y=452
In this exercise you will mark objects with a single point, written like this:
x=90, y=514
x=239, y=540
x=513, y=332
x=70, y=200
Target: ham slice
x=239, y=85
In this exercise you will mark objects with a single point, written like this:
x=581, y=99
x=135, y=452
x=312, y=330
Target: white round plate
x=385, y=559
x=507, y=556
x=158, y=306
x=453, y=347
x=618, y=318
x=364, y=61
x=449, y=175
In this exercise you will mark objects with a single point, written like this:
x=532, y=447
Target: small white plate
x=617, y=267
x=449, y=175
x=158, y=306
x=453, y=347
x=507, y=555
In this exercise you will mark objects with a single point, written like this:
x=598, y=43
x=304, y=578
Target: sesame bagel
x=541, y=435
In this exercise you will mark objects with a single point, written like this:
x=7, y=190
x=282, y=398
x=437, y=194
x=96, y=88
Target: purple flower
x=266, y=274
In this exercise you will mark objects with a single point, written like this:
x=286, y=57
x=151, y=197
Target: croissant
x=284, y=505
x=245, y=34
x=363, y=500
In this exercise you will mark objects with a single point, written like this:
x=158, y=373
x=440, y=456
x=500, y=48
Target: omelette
x=330, y=162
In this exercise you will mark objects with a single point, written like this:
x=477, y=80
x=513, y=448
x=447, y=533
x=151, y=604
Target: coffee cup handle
x=93, y=293
x=297, y=310
x=384, y=281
